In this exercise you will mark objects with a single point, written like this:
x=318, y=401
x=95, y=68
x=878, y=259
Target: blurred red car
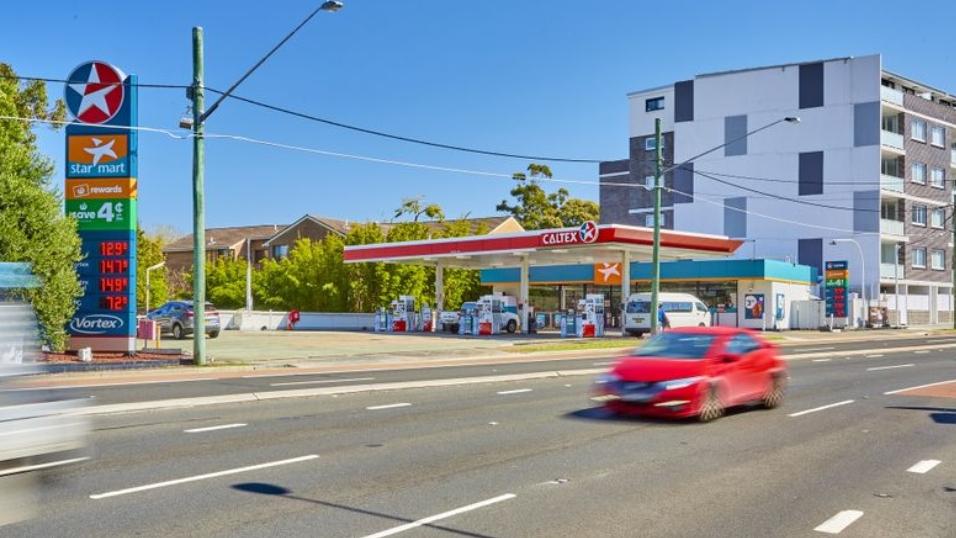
x=695, y=372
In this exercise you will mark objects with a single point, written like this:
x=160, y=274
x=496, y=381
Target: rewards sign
x=101, y=195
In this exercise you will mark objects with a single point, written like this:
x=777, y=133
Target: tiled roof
x=226, y=237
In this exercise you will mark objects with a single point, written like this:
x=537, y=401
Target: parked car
x=449, y=320
x=176, y=318
x=682, y=310
x=695, y=372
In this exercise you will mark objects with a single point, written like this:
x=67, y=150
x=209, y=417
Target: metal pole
x=249, y=274
x=866, y=305
x=199, y=216
x=896, y=278
x=656, y=256
x=952, y=269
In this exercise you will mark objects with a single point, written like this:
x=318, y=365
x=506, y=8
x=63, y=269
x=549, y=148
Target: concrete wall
x=309, y=321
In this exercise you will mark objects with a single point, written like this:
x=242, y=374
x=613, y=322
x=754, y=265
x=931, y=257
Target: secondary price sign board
x=100, y=189
x=836, y=281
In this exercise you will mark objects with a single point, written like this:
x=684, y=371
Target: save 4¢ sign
x=108, y=214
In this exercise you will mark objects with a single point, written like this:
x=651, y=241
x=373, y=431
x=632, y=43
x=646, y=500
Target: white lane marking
x=897, y=391
x=875, y=368
x=940, y=340
x=874, y=356
x=923, y=467
x=214, y=428
x=202, y=477
x=387, y=406
x=808, y=350
x=444, y=515
x=515, y=391
x=320, y=381
x=821, y=360
x=837, y=523
x=821, y=408
x=121, y=384
x=603, y=363
x=921, y=352
x=38, y=466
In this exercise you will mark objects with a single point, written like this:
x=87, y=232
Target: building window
x=280, y=251
x=918, y=130
x=937, y=136
x=937, y=216
x=937, y=178
x=919, y=173
x=649, y=220
x=937, y=260
x=919, y=258
x=656, y=103
x=650, y=145
x=919, y=215
x=649, y=182
x=810, y=173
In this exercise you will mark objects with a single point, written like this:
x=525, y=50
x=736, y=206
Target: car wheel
x=511, y=327
x=178, y=332
x=214, y=334
x=454, y=328
x=712, y=408
x=774, y=396
x=701, y=324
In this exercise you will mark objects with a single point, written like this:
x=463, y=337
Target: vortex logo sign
x=95, y=324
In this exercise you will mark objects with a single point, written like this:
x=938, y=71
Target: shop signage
x=836, y=279
x=586, y=234
x=607, y=274
x=753, y=306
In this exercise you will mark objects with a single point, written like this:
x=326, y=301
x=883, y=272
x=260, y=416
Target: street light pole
x=196, y=94
x=656, y=253
x=149, y=270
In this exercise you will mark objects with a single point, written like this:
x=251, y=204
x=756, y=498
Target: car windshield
x=676, y=345
x=638, y=307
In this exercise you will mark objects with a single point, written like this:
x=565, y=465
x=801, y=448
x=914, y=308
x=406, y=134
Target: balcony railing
x=891, y=139
x=891, y=96
x=891, y=271
x=891, y=227
x=891, y=183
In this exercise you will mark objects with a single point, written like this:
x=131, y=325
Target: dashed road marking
x=214, y=428
x=921, y=352
x=808, y=350
x=874, y=356
x=603, y=363
x=321, y=381
x=923, y=467
x=444, y=515
x=387, y=406
x=897, y=391
x=146, y=487
x=821, y=408
x=875, y=368
x=837, y=523
x=515, y=391
x=821, y=360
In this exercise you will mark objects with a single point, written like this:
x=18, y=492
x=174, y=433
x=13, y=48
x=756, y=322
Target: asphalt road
x=252, y=382
x=527, y=459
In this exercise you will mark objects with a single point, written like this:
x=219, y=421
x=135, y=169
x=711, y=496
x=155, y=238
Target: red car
x=695, y=371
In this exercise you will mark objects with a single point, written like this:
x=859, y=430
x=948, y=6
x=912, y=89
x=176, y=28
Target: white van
x=682, y=310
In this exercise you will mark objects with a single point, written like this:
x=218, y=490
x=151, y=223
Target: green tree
x=226, y=283
x=462, y=284
x=536, y=209
x=149, y=252
x=414, y=208
x=32, y=225
x=313, y=278
x=367, y=281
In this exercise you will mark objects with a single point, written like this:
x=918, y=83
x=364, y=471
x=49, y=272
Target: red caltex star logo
x=588, y=232
x=94, y=92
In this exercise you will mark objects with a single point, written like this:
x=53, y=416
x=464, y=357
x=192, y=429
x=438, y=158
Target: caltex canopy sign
x=95, y=92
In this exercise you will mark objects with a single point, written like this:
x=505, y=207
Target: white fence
x=808, y=314
x=258, y=320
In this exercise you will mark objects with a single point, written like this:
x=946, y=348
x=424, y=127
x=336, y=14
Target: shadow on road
x=600, y=414
x=279, y=491
x=939, y=415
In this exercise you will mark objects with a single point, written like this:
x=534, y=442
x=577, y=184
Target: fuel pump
x=427, y=324
x=404, y=317
x=383, y=320
x=468, y=319
x=591, y=314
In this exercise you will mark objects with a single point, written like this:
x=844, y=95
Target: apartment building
x=865, y=176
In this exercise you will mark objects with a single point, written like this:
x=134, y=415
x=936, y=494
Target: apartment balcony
x=891, y=183
x=891, y=140
x=891, y=227
x=891, y=95
x=952, y=158
x=890, y=271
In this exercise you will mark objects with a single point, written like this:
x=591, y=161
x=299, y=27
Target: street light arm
x=325, y=6
x=788, y=119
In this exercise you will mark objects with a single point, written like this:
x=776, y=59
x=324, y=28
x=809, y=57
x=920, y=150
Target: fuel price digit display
x=114, y=284
x=114, y=303
x=114, y=248
x=114, y=265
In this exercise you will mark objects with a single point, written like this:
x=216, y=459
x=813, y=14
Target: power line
x=64, y=81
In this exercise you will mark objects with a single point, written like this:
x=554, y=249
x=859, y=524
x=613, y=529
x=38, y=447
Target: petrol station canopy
x=589, y=243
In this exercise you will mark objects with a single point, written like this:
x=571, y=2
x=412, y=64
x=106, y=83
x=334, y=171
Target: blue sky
x=523, y=76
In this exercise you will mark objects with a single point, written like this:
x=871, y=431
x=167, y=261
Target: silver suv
x=176, y=318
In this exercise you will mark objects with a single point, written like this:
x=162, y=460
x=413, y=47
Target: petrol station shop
x=552, y=270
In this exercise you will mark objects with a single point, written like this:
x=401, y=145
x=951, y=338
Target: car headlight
x=605, y=379
x=682, y=383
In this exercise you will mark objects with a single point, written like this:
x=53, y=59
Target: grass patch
x=574, y=345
